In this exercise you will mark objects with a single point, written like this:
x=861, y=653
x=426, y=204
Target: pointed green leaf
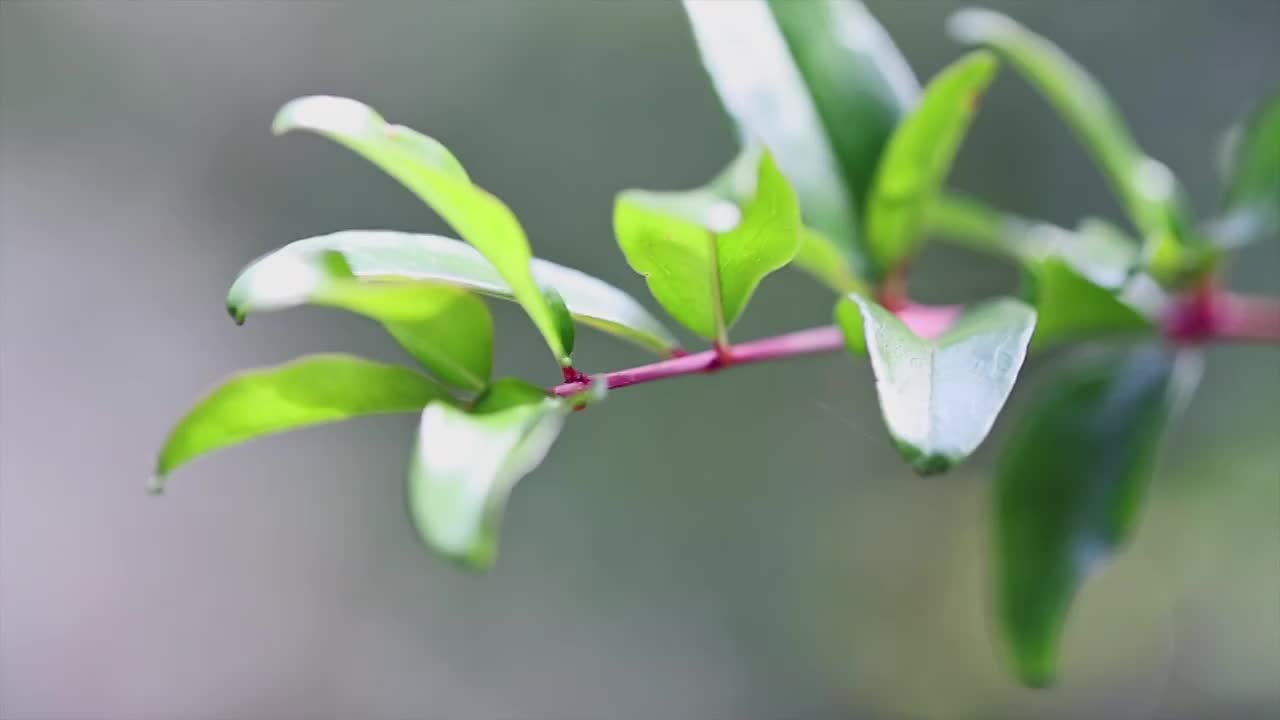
x=434, y=175
x=278, y=280
x=466, y=464
x=1253, y=190
x=817, y=81
x=564, y=319
x=1070, y=306
x=309, y=391
x=1147, y=189
x=919, y=156
x=703, y=256
x=445, y=328
x=940, y=397
x=1069, y=488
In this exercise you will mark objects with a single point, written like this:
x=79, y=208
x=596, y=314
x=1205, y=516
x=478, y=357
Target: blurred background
x=746, y=545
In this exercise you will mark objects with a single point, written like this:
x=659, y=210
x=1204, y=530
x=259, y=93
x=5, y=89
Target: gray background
x=743, y=546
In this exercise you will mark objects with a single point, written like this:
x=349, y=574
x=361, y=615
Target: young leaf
x=820, y=83
x=919, y=156
x=564, y=319
x=940, y=397
x=1070, y=306
x=703, y=256
x=1068, y=492
x=466, y=463
x=275, y=281
x=1253, y=190
x=445, y=328
x=309, y=391
x=430, y=172
x=1148, y=190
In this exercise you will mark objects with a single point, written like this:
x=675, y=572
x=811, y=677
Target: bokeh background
x=740, y=546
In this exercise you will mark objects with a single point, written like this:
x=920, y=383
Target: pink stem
x=924, y=320
x=1246, y=319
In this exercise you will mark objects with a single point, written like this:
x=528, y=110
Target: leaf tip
x=156, y=483
x=324, y=113
x=973, y=26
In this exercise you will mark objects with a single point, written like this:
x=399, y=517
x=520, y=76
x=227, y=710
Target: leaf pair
x=1069, y=488
x=817, y=82
x=431, y=172
x=940, y=395
x=820, y=83
x=702, y=254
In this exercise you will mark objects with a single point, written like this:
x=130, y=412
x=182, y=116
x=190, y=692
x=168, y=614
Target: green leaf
x=919, y=156
x=820, y=83
x=445, y=328
x=703, y=256
x=823, y=259
x=1253, y=190
x=1068, y=492
x=1147, y=189
x=564, y=319
x=274, y=281
x=940, y=397
x=1070, y=306
x=466, y=463
x=434, y=175
x=309, y=391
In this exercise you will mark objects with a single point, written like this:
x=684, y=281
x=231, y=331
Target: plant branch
x=926, y=321
x=1246, y=319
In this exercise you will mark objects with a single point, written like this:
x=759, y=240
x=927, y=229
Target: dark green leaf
x=1253, y=191
x=703, y=256
x=275, y=281
x=445, y=328
x=309, y=391
x=430, y=172
x=564, y=319
x=817, y=81
x=466, y=463
x=940, y=397
x=1147, y=188
x=919, y=156
x=1068, y=492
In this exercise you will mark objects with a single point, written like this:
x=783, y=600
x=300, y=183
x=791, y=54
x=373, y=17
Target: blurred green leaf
x=564, y=319
x=1069, y=488
x=919, y=156
x=309, y=391
x=281, y=279
x=940, y=397
x=466, y=463
x=703, y=256
x=434, y=175
x=1070, y=306
x=1148, y=190
x=817, y=81
x=1253, y=190
x=821, y=258
x=445, y=328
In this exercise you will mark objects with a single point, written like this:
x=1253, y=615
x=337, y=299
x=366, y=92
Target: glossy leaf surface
x=1069, y=489
x=445, y=328
x=703, y=256
x=280, y=279
x=428, y=170
x=313, y=390
x=1069, y=306
x=466, y=463
x=919, y=156
x=940, y=397
x=817, y=81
